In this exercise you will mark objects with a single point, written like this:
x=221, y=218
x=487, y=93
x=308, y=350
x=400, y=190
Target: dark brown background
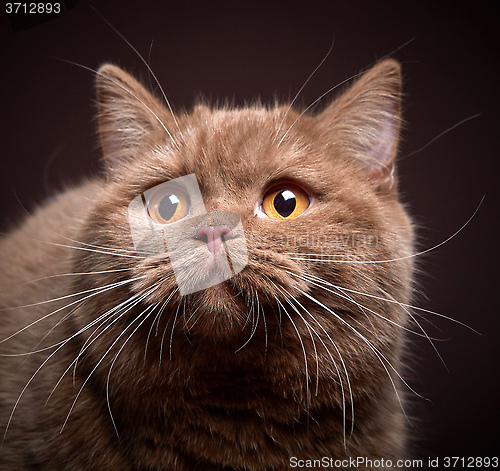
x=243, y=50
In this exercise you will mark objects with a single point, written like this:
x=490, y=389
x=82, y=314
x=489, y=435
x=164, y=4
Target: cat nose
x=214, y=236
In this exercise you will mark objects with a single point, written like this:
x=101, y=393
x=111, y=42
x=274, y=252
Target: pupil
x=168, y=207
x=284, y=203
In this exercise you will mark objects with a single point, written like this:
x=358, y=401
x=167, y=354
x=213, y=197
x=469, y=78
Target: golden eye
x=285, y=202
x=167, y=207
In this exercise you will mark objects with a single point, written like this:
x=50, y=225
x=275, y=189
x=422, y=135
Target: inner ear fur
x=366, y=119
x=129, y=116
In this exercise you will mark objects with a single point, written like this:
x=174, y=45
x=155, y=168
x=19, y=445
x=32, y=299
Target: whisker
x=409, y=306
x=255, y=324
x=106, y=353
x=128, y=304
x=412, y=317
x=344, y=418
x=35, y=349
x=104, y=252
x=146, y=63
x=90, y=69
x=319, y=257
x=405, y=307
x=339, y=375
x=279, y=303
x=401, y=47
x=187, y=330
x=55, y=244
x=116, y=249
x=314, y=102
x=60, y=322
x=303, y=350
x=320, y=284
x=250, y=310
x=191, y=316
x=9, y=421
x=446, y=131
x=280, y=322
x=309, y=328
x=62, y=344
x=101, y=272
x=151, y=308
x=302, y=88
x=162, y=309
x=93, y=291
x=172, y=332
x=157, y=320
x=265, y=325
x=375, y=350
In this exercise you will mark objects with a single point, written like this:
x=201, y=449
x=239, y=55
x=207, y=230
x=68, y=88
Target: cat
x=230, y=295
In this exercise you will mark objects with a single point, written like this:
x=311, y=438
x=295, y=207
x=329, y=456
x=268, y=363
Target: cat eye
x=168, y=207
x=285, y=202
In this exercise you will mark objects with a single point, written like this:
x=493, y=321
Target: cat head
x=254, y=218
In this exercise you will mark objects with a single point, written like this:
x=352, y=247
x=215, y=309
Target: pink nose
x=212, y=235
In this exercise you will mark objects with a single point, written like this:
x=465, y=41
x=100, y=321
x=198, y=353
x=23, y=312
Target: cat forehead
x=239, y=144
x=234, y=125
x=241, y=151
x=258, y=131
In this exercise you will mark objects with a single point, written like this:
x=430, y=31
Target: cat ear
x=367, y=120
x=128, y=115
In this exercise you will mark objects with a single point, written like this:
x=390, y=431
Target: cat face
x=260, y=226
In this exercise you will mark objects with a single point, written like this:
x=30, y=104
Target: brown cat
x=230, y=296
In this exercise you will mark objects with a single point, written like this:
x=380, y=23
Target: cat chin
x=219, y=312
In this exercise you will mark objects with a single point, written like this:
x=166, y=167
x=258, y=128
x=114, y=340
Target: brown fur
x=182, y=392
